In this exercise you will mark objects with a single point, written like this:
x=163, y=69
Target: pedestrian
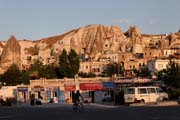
x=32, y=97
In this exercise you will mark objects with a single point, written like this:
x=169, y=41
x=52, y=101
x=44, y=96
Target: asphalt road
x=92, y=112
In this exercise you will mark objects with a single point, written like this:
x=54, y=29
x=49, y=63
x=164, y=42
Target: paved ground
x=92, y=112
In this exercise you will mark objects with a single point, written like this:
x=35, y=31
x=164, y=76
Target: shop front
x=22, y=94
x=52, y=94
x=69, y=92
x=38, y=92
x=91, y=91
x=108, y=88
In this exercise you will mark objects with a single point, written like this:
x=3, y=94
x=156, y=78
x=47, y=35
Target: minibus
x=144, y=94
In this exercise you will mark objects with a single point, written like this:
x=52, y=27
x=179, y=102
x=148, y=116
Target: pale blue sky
x=35, y=19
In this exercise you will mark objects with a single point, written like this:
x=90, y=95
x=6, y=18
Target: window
x=142, y=91
x=55, y=93
x=151, y=90
x=130, y=91
x=143, y=64
x=159, y=90
x=160, y=66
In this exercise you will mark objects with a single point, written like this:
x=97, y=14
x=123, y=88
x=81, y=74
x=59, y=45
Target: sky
x=36, y=19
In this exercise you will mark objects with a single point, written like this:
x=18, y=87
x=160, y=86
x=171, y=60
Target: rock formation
x=11, y=53
x=93, y=40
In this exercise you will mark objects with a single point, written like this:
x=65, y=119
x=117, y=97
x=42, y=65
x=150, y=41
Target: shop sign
x=132, y=80
x=142, y=80
x=91, y=86
x=52, y=88
x=107, y=85
x=38, y=88
x=124, y=80
x=24, y=89
x=69, y=87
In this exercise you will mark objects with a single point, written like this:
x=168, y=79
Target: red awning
x=91, y=86
x=69, y=87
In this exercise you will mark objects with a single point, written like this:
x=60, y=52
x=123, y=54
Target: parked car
x=144, y=94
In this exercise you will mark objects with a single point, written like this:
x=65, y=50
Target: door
x=92, y=96
x=153, y=95
x=143, y=95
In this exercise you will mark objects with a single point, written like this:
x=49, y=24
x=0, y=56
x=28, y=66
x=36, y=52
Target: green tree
x=142, y=72
x=111, y=69
x=87, y=75
x=63, y=64
x=172, y=75
x=12, y=76
x=25, y=77
x=36, y=69
x=73, y=63
x=68, y=63
x=47, y=71
x=161, y=75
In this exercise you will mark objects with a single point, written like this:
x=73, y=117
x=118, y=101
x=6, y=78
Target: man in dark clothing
x=32, y=97
x=77, y=97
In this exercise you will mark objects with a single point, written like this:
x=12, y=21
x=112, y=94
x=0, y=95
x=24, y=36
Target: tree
x=161, y=75
x=111, y=69
x=69, y=63
x=48, y=71
x=12, y=76
x=63, y=64
x=172, y=75
x=25, y=77
x=73, y=63
x=142, y=72
x=35, y=69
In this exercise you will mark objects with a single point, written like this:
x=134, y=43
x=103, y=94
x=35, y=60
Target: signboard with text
x=23, y=89
x=91, y=86
x=108, y=85
x=69, y=87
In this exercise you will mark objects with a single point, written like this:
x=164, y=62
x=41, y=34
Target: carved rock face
x=94, y=39
x=11, y=53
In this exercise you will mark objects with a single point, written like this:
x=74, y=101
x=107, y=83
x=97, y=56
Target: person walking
x=32, y=97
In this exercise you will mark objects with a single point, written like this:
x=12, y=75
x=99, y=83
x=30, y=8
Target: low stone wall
x=163, y=103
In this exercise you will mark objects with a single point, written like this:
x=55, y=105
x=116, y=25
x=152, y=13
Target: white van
x=144, y=94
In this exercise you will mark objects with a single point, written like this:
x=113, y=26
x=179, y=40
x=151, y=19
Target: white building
x=160, y=64
x=96, y=67
x=8, y=91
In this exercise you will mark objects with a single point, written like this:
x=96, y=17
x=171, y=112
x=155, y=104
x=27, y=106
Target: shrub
x=173, y=93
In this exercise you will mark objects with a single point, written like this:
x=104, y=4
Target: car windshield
x=130, y=91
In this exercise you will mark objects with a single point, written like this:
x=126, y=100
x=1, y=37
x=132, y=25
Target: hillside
x=93, y=40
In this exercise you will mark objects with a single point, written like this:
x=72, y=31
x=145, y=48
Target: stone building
x=96, y=67
x=152, y=53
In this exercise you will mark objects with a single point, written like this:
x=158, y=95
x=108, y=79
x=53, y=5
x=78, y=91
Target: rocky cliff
x=11, y=53
x=92, y=40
